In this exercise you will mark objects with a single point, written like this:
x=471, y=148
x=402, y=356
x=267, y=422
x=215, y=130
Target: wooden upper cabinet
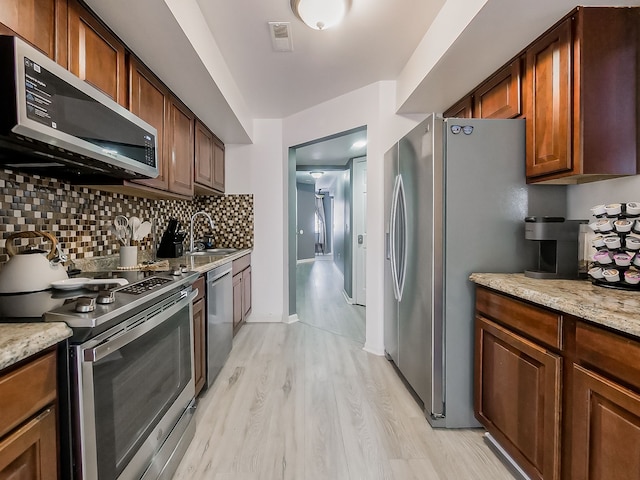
x=95, y=54
x=500, y=96
x=462, y=109
x=42, y=23
x=581, y=96
x=209, y=161
x=180, y=138
x=148, y=99
x=549, y=105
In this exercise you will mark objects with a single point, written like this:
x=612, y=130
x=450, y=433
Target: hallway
x=320, y=301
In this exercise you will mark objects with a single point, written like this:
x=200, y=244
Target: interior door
x=360, y=230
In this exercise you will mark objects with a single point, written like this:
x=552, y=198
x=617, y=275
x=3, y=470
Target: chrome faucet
x=201, y=212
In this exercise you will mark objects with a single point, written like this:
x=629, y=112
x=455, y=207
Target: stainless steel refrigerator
x=456, y=201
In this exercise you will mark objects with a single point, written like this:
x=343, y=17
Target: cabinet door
x=30, y=451
x=199, y=344
x=549, y=102
x=95, y=54
x=204, y=161
x=148, y=99
x=500, y=96
x=180, y=143
x=237, y=302
x=606, y=429
x=246, y=293
x=517, y=397
x=462, y=109
x=42, y=23
x=218, y=166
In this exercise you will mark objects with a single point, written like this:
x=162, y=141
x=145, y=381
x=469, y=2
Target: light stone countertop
x=21, y=340
x=617, y=309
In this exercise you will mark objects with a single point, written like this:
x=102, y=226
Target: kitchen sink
x=214, y=251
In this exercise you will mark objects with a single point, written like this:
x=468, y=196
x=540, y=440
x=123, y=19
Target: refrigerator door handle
x=405, y=247
x=392, y=237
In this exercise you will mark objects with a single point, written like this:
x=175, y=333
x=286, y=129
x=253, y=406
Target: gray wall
x=328, y=216
x=342, y=248
x=306, y=204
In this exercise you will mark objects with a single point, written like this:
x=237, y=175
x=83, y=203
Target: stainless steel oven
x=133, y=393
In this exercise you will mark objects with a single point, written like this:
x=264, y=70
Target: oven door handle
x=125, y=337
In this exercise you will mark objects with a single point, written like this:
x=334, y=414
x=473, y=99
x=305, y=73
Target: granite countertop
x=617, y=309
x=21, y=340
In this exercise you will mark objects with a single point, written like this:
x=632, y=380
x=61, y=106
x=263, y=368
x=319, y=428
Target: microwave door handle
x=121, y=339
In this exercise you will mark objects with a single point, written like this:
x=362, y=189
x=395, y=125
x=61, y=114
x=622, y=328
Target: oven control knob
x=85, y=304
x=106, y=297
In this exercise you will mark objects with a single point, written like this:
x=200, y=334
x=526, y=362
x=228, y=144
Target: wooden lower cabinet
x=199, y=345
x=28, y=431
x=241, y=291
x=517, y=397
x=605, y=429
x=237, y=302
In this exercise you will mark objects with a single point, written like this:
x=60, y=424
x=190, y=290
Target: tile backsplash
x=80, y=217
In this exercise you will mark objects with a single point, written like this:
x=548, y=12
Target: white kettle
x=31, y=270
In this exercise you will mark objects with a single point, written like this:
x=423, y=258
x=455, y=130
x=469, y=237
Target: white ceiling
x=216, y=54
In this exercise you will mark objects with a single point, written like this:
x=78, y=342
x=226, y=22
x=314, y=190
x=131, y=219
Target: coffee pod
x=603, y=257
x=632, y=243
x=604, y=225
x=612, y=241
x=633, y=208
x=636, y=226
x=623, y=225
x=632, y=277
x=636, y=260
x=622, y=259
x=611, y=275
x=598, y=241
x=613, y=209
x=599, y=210
x=596, y=272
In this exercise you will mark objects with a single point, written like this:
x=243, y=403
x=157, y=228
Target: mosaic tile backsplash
x=81, y=217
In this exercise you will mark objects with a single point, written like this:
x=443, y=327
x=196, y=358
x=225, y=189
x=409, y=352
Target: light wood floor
x=321, y=303
x=300, y=403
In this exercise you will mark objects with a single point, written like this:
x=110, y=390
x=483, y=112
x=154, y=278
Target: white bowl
x=612, y=241
x=598, y=210
x=596, y=272
x=632, y=277
x=611, y=275
x=603, y=257
x=622, y=259
x=598, y=241
x=632, y=243
x=613, y=208
x=623, y=225
x=633, y=208
x=604, y=225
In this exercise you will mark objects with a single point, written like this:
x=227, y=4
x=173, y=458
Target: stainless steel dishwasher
x=219, y=319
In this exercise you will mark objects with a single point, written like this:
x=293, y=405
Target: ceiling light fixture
x=320, y=14
x=316, y=175
x=359, y=144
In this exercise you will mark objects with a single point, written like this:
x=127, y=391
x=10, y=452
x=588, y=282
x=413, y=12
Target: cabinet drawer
x=239, y=264
x=200, y=285
x=542, y=325
x=27, y=390
x=614, y=354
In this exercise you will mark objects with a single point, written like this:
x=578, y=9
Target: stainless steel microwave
x=56, y=125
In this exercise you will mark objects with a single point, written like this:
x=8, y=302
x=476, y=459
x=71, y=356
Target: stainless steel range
x=131, y=381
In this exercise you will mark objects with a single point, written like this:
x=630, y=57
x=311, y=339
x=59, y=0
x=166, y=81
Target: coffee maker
x=558, y=252
x=171, y=245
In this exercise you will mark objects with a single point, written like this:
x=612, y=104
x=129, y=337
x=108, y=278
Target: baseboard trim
x=306, y=260
x=291, y=319
x=501, y=452
x=265, y=318
x=348, y=299
x=379, y=351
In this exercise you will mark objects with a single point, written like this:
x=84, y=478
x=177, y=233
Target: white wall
x=259, y=169
x=618, y=190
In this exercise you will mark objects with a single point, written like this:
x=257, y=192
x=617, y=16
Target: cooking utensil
x=116, y=234
x=122, y=226
x=134, y=225
x=144, y=230
x=32, y=270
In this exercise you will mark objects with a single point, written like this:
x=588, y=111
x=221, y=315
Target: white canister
x=128, y=256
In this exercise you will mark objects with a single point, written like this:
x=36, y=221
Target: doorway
x=325, y=285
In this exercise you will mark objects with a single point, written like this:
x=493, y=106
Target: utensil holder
x=128, y=256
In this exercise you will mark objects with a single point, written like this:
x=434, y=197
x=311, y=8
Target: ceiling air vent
x=281, y=36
